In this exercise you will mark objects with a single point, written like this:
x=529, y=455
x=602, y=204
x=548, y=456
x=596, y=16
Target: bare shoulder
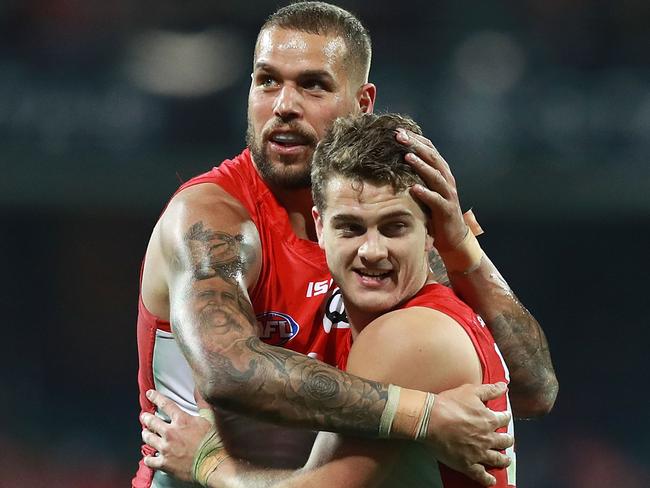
x=416, y=347
x=203, y=202
x=202, y=220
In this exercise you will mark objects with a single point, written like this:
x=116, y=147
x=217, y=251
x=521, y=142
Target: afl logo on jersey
x=277, y=328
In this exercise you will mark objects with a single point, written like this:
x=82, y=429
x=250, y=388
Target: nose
x=288, y=103
x=373, y=248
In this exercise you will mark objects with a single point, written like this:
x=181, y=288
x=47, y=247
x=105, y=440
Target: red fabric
x=443, y=299
x=290, y=296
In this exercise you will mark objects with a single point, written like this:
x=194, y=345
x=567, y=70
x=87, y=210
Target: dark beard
x=283, y=179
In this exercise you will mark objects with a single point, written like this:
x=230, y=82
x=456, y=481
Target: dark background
x=542, y=107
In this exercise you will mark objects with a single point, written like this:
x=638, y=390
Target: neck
x=358, y=319
x=298, y=204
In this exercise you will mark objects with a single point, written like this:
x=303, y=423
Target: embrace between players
x=239, y=244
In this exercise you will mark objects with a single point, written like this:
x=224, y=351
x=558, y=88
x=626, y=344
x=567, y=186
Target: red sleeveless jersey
x=294, y=300
x=443, y=299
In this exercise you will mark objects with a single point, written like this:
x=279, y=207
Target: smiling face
x=301, y=83
x=376, y=243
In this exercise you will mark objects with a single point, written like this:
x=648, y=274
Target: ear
x=428, y=242
x=318, y=221
x=366, y=98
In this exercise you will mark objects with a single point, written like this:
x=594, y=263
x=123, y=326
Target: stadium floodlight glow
x=184, y=64
x=490, y=63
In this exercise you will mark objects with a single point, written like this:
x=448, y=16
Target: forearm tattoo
x=321, y=395
x=521, y=340
x=240, y=372
x=525, y=349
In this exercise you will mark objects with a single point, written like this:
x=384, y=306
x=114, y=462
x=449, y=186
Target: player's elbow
x=547, y=396
x=222, y=383
x=219, y=389
x=537, y=403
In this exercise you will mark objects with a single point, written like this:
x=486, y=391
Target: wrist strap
x=207, y=414
x=209, y=456
x=465, y=257
x=408, y=411
x=423, y=425
x=390, y=409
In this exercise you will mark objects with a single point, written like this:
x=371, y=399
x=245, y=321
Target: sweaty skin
x=361, y=234
x=299, y=85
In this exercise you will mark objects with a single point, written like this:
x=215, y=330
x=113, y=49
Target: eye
x=394, y=229
x=317, y=84
x=349, y=229
x=265, y=81
x=314, y=84
x=227, y=296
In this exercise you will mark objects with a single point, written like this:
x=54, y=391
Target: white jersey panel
x=172, y=374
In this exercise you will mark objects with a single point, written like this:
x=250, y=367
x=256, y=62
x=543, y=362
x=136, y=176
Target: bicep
x=212, y=254
x=421, y=349
x=418, y=348
x=207, y=234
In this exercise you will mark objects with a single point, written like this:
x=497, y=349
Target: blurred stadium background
x=542, y=107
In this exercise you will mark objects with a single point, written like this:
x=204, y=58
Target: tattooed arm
x=207, y=254
x=519, y=336
x=436, y=354
x=521, y=340
x=213, y=258
x=436, y=345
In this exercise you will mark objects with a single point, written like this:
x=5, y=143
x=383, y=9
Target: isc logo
x=276, y=328
x=318, y=287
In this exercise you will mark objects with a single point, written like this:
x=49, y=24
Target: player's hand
x=176, y=441
x=462, y=431
x=440, y=193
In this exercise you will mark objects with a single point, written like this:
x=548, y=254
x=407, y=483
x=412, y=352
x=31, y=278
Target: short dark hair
x=325, y=19
x=363, y=148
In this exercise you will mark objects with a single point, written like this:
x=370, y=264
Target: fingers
x=491, y=391
x=501, y=441
x=154, y=424
x=478, y=473
x=432, y=177
x=164, y=404
x=430, y=198
x=408, y=135
x=155, y=462
x=438, y=192
x=496, y=459
x=424, y=148
x=152, y=439
x=502, y=419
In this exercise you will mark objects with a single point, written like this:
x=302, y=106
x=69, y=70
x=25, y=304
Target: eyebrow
x=310, y=73
x=264, y=66
x=343, y=217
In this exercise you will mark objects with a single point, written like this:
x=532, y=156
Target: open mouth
x=371, y=277
x=289, y=144
x=289, y=139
